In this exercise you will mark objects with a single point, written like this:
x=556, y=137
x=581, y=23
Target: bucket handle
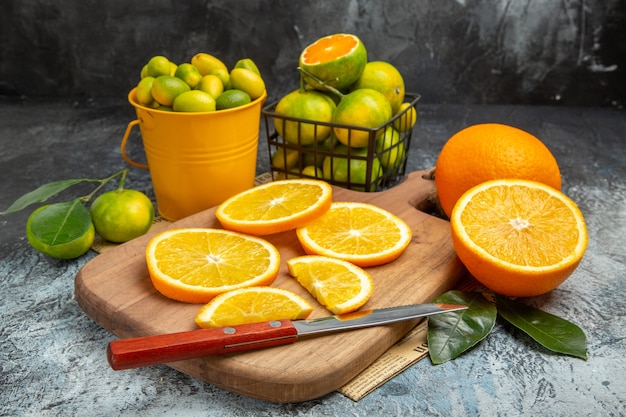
x=129, y=128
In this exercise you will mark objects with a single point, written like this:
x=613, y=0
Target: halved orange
x=253, y=305
x=275, y=207
x=335, y=60
x=338, y=285
x=195, y=264
x=361, y=233
x=517, y=237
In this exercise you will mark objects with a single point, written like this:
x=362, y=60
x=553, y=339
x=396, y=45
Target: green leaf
x=451, y=334
x=550, y=331
x=43, y=193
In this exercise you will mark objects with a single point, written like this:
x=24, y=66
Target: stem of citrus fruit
x=320, y=82
x=103, y=182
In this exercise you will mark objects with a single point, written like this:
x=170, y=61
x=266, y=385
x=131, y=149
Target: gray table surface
x=53, y=355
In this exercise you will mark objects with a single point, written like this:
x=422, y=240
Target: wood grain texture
x=115, y=290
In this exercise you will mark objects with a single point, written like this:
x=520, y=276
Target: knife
x=152, y=350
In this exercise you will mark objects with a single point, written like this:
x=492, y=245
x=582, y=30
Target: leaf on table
x=550, y=331
x=61, y=223
x=43, y=193
x=450, y=334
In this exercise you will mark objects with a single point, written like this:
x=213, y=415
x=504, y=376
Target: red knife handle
x=151, y=350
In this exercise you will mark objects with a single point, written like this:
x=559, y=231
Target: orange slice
x=252, y=305
x=194, y=265
x=518, y=237
x=338, y=285
x=276, y=206
x=361, y=233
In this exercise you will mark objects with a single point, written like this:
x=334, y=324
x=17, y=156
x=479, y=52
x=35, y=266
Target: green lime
x=189, y=74
x=248, y=63
x=310, y=105
x=223, y=75
x=353, y=175
x=122, y=215
x=166, y=88
x=158, y=65
x=285, y=159
x=390, y=148
x=407, y=119
x=207, y=63
x=61, y=230
x=211, y=84
x=248, y=81
x=194, y=101
x=232, y=98
x=144, y=91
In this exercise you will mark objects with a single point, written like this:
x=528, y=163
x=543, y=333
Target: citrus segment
x=275, y=206
x=361, y=233
x=491, y=151
x=252, y=305
x=340, y=286
x=519, y=238
x=195, y=264
x=337, y=60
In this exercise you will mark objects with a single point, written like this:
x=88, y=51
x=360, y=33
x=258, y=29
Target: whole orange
x=491, y=151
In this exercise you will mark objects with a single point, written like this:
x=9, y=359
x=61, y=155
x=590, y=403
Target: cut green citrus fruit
x=122, y=215
x=61, y=230
x=336, y=60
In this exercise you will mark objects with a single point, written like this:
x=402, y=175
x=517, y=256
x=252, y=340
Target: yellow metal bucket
x=197, y=160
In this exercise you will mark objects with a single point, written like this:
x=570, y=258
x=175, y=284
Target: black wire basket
x=378, y=166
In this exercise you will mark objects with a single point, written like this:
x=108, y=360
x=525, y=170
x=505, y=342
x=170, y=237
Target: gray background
x=450, y=51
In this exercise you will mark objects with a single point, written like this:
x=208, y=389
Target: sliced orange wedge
x=253, y=305
x=338, y=285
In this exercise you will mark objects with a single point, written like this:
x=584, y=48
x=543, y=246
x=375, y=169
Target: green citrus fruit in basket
x=390, y=148
x=194, y=101
x=352, y=174
x=211, y=84
x=248, y=63
x=248, y=81
x=232, y=98
x=366, y=108
x=385, y=78
x=189, y=74
x=61, y=230
x=491, y=151
x=285, y=159
x=406, y=121
x=336, y=60
x=157, y=66
x=144, y=91
x=206, y=63
x=166, y=88
x=122, y=215
x=310, y=105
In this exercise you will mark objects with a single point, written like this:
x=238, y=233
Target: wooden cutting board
x=115, y=290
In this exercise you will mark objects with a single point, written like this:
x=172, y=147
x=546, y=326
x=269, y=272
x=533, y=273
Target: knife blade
x=152, y=350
